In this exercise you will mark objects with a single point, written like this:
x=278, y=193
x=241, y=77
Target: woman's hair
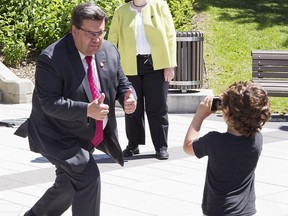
x=246, y=106
x=87, y=10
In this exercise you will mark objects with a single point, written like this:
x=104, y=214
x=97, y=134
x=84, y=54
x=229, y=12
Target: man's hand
x=129, y=102
x=97, y=109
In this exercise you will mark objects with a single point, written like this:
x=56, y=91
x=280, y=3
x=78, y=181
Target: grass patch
x=232, y=29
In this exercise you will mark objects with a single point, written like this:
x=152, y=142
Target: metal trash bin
x=190, y=63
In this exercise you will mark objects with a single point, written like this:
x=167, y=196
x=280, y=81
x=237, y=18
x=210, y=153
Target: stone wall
x=14, y=90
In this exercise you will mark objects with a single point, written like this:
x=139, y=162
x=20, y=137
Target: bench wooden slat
x=261, y=62
x=276, y=52
x=269, y=54
x=270, y=74
x=270, y=57
x=270, y=70
x=272, y=84
x=276, y=94
x=274, y=89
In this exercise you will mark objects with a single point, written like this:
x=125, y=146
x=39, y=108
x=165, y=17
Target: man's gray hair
x=87, y=10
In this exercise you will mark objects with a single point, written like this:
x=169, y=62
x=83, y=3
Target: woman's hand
x=169, y=74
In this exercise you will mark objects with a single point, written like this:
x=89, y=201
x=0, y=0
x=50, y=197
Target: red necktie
x=98, y=137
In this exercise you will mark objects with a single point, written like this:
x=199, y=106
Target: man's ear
x=74, y=30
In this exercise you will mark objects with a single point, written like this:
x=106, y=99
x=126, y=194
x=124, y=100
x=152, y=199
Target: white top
x=142, y=45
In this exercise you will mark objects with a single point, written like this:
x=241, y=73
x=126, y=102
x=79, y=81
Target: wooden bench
x=270, y=70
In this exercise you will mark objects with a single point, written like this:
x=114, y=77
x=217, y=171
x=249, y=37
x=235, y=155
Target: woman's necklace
x=139, y=5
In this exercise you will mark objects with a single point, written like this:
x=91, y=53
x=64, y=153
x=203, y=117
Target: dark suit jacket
x=58, y=125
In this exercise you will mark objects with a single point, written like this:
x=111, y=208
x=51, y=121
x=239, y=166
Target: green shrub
x=14, y=52
x=182, y=12
x=12, y=34
x=37, y=23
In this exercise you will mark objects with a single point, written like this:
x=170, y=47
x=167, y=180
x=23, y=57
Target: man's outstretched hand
x=97, y=109
x=129, y=102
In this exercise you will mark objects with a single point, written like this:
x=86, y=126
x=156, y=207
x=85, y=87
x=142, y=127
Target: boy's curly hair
x=246, y=106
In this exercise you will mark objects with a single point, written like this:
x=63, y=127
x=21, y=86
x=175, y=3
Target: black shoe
x=129, y=152
x=162, y=154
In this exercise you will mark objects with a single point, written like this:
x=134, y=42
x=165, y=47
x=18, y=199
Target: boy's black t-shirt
x=229, y=185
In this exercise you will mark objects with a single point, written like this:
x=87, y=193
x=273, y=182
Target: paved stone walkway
x=145, y=186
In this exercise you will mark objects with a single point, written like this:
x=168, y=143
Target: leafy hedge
x=27, y=25
x=182, y=12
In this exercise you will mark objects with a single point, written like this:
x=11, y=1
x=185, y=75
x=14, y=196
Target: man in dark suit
x=62, y=123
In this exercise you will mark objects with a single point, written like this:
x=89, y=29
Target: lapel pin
x=101, y=64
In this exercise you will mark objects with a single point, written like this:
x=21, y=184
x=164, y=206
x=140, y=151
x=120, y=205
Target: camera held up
x=216, y=104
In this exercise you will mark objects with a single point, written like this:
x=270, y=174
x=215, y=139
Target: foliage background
x=232, y=29
x=27, y=25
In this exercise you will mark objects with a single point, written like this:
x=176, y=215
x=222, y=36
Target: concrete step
x=186, y=102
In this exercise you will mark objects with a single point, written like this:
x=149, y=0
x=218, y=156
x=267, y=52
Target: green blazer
x=160, y=33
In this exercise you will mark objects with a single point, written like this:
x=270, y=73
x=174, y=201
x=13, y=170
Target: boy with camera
x=233, y=155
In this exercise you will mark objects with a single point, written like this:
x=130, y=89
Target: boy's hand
x=204, y=108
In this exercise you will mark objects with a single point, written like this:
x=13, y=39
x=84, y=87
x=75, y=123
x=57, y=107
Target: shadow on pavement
x=13, y=123
x=40, y=160
x=284, y=128
x=140, y=156
x=106, y=159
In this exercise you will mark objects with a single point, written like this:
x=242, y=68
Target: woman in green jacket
x=144, y=33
